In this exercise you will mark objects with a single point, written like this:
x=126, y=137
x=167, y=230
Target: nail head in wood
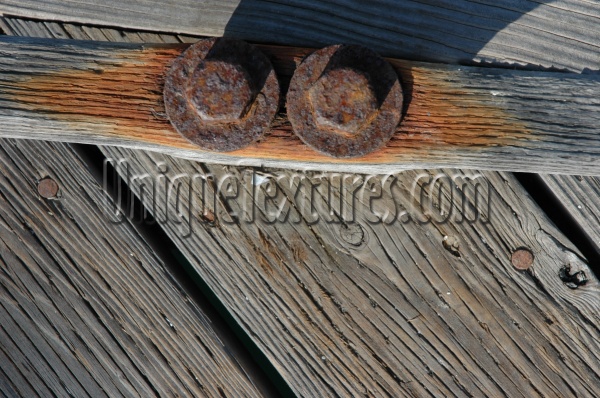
x=47, y=188
x=522, y=259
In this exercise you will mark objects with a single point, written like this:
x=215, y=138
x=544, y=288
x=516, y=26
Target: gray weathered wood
x=375, y=317
x=466, y=117
x=86, y=307
x=581, y=198
x=525, y=31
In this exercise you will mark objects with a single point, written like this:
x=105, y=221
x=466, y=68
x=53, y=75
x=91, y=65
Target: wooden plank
x=526, y=31
x=373, y=316
x=376, y=317
x=86, y=307
x=298, y=267
x=465, y=117
x=581, y=198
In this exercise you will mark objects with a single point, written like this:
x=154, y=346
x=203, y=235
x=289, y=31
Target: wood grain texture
x=581, y=198
x=525, y=31
x=86, y=307
x=396, y=312
x=374, y=317
x=466, y=117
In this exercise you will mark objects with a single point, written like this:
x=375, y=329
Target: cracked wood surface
x=525, y=31
x=375, y=317
x=396, y=312
x=581, y=198
x=474, y=118
x=86, y=306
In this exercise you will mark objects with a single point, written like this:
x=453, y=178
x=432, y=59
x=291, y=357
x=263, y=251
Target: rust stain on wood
x=124, y=100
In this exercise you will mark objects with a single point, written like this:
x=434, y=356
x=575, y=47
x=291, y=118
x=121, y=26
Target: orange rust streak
x=125, y=102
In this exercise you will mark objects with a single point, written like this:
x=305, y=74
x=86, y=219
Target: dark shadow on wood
x=440, y=31
x=250, y=358
x=561, y=217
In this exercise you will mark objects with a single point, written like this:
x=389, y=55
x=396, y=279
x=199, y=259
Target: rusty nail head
x=345, y=101
x=522, y=259
x=47, y=188
x=221, y=94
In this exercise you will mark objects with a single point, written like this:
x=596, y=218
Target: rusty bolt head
x=221, y=94
x=345, y=101
x=47, y=188
x=522, y=259
x=342, y=99
x=220, y=91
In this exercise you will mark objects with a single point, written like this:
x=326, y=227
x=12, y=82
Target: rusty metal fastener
x=47, y=188
x=345, y=101
x=522, y=259
x=221, y=94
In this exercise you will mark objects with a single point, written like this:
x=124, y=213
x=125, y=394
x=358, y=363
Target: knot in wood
x=572, y=280
x=352, y=234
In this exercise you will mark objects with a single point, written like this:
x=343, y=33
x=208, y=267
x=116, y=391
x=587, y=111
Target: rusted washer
x=344, y=101
x=221, y=94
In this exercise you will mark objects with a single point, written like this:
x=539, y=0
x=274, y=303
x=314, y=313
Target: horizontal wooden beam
x=467, y=117
x=450, y=31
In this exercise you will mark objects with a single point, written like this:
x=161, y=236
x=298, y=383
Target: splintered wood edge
x=467, y=117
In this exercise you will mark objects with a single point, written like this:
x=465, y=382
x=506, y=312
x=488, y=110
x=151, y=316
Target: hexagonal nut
x=221, y=94
x=221, y=91
x=343, y=99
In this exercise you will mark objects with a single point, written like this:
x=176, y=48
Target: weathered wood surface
x=86, y=307
x=497, y=330
x=394, y=311
x=373, y=315
x=581, y=198
x=525, y=31
x=457, y=116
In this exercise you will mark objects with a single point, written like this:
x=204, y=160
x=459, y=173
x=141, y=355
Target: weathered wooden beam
x=86, y=306
x=466, y=117
x=373, y=316
x=452, y=31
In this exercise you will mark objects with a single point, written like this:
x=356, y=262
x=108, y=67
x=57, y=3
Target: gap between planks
x=482, y=274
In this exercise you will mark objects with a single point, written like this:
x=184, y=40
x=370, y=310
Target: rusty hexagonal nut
x=220, y=91
x=345, y=101
x=221, y=94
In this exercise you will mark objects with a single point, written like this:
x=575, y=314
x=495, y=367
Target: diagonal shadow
x=448, y=31
x=451, y=31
